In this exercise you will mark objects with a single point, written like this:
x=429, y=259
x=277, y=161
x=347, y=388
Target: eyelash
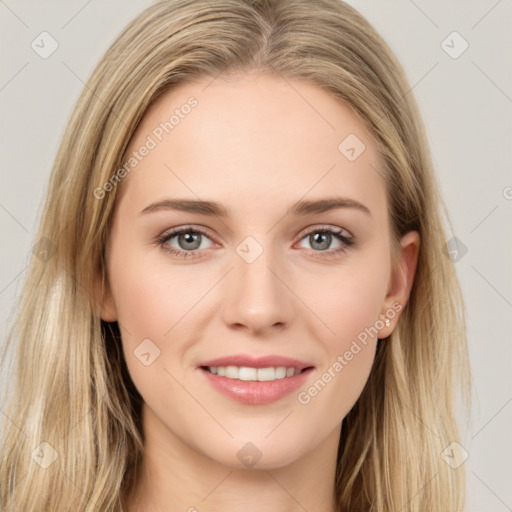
x=165, y=237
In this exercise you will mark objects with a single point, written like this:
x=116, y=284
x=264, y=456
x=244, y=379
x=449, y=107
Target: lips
x=255, y=392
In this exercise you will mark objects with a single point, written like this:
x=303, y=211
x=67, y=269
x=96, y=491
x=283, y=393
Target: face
x=289, y=258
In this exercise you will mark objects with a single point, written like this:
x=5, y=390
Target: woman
x=304, y=355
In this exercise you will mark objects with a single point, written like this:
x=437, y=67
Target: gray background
x=466, y=103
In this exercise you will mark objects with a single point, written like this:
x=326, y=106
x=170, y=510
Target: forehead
x=251, y=140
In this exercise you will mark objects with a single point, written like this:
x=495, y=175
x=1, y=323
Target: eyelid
x=327, y=227
x=205, y=231
x=172, y=232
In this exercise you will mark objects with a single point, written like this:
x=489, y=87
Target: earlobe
x=402, y=280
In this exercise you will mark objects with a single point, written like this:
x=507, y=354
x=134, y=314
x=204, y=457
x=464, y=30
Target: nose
x=257, y=297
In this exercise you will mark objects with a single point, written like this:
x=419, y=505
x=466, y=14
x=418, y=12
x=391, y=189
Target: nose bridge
x=257, y=298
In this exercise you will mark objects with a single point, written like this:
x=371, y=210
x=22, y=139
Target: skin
x=256, y=144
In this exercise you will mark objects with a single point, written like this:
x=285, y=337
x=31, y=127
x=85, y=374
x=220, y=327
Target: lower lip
x=255, y=392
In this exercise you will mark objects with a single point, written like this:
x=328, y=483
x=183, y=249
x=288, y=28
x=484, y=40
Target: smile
x=247, y=373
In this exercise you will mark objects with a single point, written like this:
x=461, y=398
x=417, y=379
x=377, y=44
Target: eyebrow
x=300, y=208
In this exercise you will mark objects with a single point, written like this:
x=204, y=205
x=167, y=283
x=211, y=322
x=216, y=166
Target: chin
x=258, y=452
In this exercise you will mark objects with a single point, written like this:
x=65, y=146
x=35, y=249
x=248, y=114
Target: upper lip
x=257, y=361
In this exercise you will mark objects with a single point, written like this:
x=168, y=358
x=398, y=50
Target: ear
x=104, y=304
x=401, y=281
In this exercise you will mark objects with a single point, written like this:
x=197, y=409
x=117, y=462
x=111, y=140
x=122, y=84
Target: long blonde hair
x=71, y=386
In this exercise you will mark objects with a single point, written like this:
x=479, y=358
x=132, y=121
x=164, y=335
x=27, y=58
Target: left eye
x=322, y=238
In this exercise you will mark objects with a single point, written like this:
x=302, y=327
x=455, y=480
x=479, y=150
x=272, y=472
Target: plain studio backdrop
x=457, y=57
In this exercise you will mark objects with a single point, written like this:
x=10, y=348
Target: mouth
x=248, y=374
x=256, y=380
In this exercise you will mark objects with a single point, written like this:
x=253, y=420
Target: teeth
x=253, y=374
x=245, y=373
x=231, y=372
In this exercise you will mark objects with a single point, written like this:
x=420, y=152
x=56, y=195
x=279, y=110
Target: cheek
x=152, y=298
x=350, y=308
x=348, y=300
x=143, y=306
x=335, y=389
x=156, y=306
x=150, y=311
